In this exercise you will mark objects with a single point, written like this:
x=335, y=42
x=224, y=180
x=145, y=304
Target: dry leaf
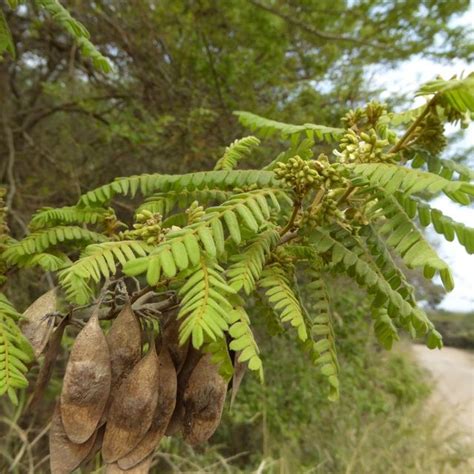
x=35, y=326
x=86, y=385
x=171, y=339
x=164, y=409
x=65, y=456
x=239, y=371
x=125, y=342
x=46, y=370
x=204, y=399
x=176, y=423
x=141, y=468
x=132, y=409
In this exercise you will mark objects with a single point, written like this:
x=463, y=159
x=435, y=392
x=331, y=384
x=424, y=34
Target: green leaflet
x=243, y=340
x=15, y=352
x=247, y=266
x=236, y=151
x=321, y=342
x=384, y=262
x=404, y=237
x=207, y=236
x=38, y=242
x=374, y=282
x=204, y=306
x=49, y=216
x=394, y=178
x=442, y=167
x=384, y=328
x=96, y=262
x=50, y=262
x=458, y=92
x=283, y=299
x=442, y=224
x=269, y=127
x=78, y=31
x=151, y=183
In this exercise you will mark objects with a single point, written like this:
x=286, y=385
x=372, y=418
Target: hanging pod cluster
x=118, y=401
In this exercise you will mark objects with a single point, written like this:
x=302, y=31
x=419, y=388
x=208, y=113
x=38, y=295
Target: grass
x=457, y=328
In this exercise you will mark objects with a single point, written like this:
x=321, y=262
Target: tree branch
x=313, y=31
x=11, y=173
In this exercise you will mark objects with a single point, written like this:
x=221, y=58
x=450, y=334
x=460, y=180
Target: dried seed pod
x=204, y=399
x=141, y=468
x=176, y=423
x=35, y=326
x=65, y=456
x=86, y=385
x=171, y=339
x=125, y=342
x=132, y=408
x=167, y=387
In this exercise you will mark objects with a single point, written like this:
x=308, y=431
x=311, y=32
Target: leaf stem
x=406, y=136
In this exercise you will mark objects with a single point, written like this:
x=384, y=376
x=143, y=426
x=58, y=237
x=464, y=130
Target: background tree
x=180, y=69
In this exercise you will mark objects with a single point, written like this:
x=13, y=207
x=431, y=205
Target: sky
x=410, y=75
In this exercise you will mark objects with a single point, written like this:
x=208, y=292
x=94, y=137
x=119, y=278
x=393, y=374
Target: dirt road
x=453, y=373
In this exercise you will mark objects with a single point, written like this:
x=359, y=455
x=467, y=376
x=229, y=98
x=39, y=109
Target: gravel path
x=453, y=373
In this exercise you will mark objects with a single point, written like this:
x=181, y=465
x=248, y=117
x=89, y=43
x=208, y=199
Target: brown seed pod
x=167, y=386
x=125, y=342
x=65, y=456
x=204, y=399
x=132, y=408
x=141, y=468
x=86, y=385
x=171, y=339
x=35, y=326
x=176, y=423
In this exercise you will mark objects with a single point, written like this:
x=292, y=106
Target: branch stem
x=294, y=214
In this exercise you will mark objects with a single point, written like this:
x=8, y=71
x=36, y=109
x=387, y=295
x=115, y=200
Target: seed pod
x=176, y=423
x=35, y=326
x=171, y=339
x=86, y=385
x=141, y=468
x=65, y=456
x=124, y=340
x=132, y=408
x=167, y=386
x=204, y=399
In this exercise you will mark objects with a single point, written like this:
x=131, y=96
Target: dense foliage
x=183, y=266
x=333, y=215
